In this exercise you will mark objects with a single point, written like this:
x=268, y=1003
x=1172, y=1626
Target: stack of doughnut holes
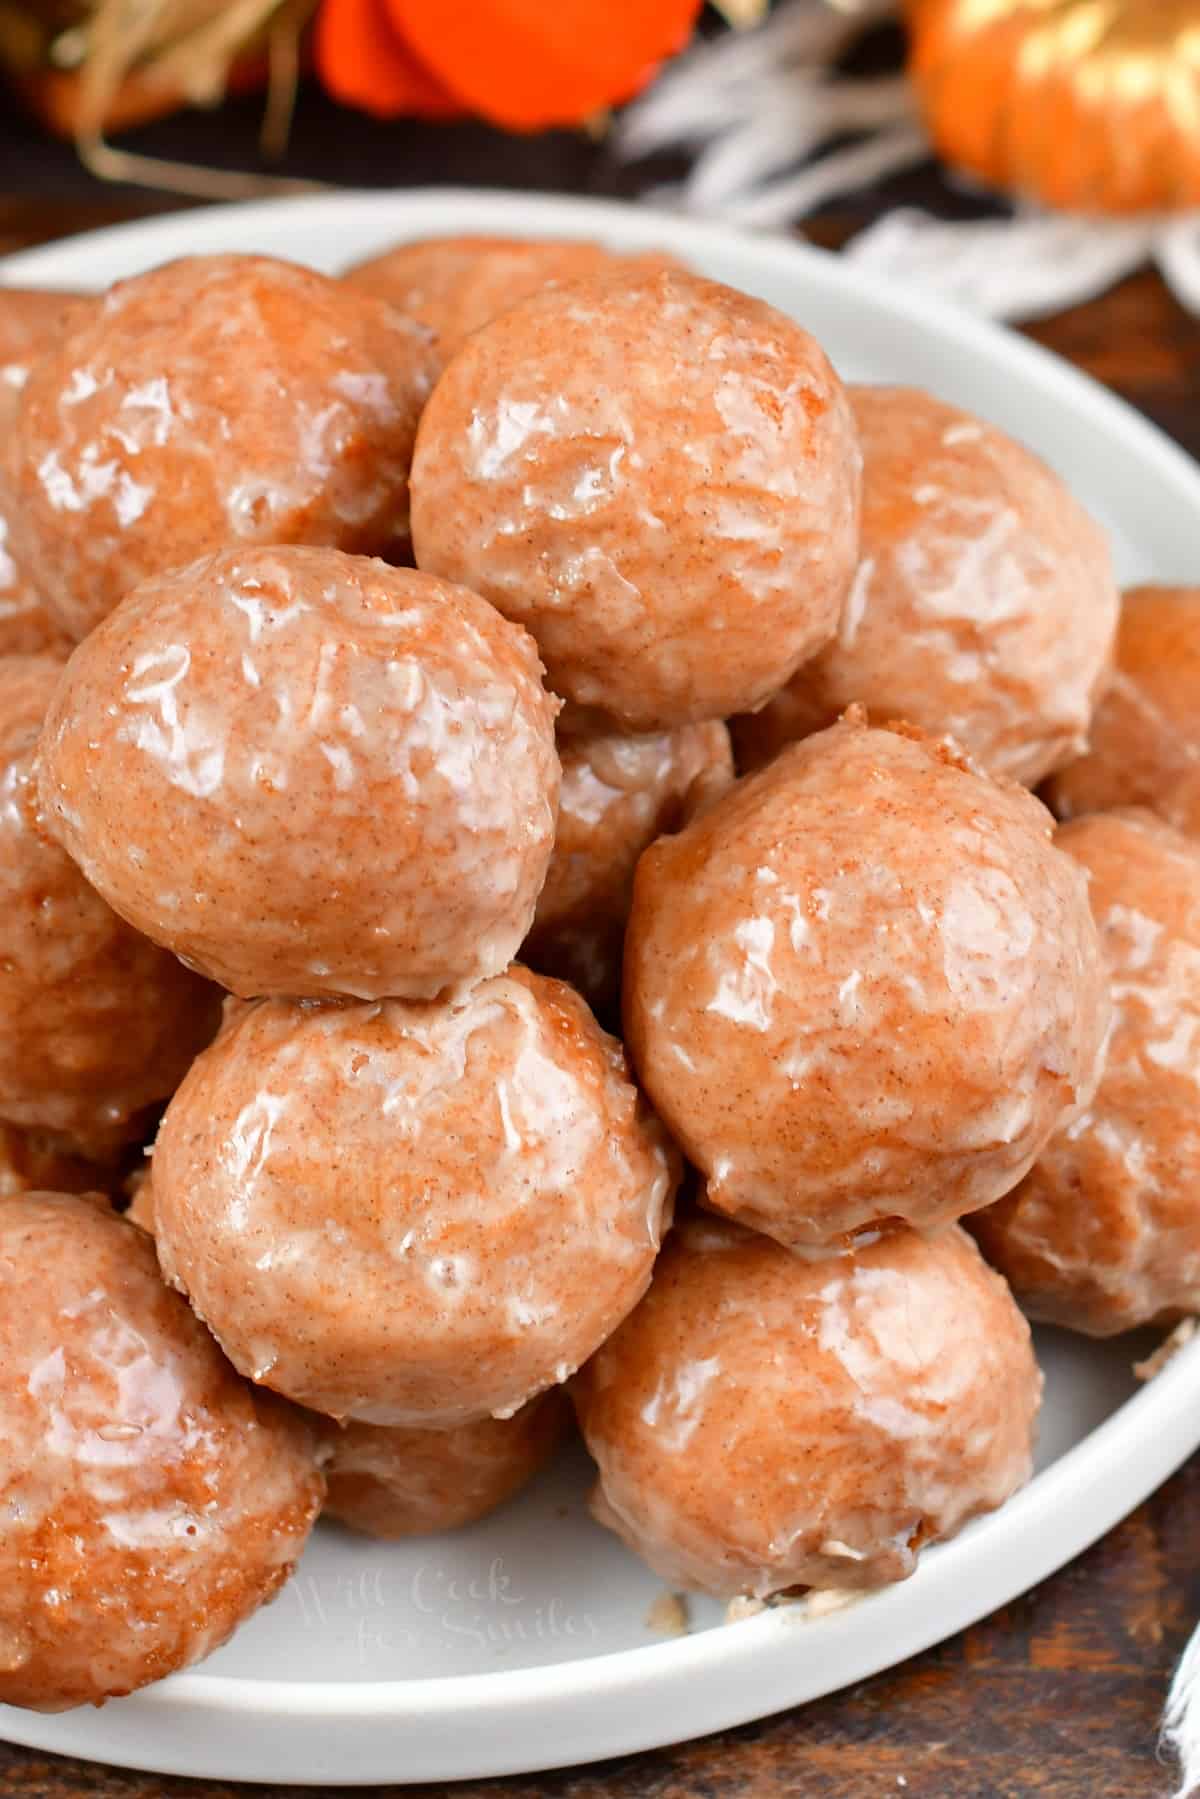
x=523, y=902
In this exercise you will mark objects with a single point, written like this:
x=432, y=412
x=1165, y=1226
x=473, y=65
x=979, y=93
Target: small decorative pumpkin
x=521, y=64
x=1085, y=105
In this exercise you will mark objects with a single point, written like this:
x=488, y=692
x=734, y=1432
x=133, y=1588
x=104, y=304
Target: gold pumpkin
x=1087, y=105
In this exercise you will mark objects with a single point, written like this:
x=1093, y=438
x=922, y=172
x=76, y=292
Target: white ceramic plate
x=522, y=1643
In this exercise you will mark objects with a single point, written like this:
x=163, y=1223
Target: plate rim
x=775, y=1622
x=554, y=1715
x=1152, y=1432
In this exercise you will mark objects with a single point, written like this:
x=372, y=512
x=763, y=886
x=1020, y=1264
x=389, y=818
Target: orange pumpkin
x=364, y=63
x=1087, y=105
x=522, y=64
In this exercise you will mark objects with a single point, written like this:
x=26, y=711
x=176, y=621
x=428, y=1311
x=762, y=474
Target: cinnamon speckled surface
x=864, y=985
x=158, y=430
x=984, y=604
x=152, y=1501
x=1131, y=1256
x=289, y=726
x=498, y=1217
x=720, y=511
x=1143, y=749
x=31, y=321
x=96, y=1024
x=900, y=1377
x=453, y=285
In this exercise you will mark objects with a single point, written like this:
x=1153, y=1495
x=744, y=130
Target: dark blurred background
x=341, y=146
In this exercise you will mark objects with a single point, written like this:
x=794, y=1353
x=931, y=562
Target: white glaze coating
x=331, y=776
x=984, y=606
x=618, y=794
x=390, y=1482
x=659, y=477
x=27, y=628
x=215, y=400
x=96, y=1023
x=863, y=985
x=413, y=1214
x=763, y=1420
x=1145, y=740
x=453, y=285
x=149, y=1500
x=1104, y=1233
x=30, y=321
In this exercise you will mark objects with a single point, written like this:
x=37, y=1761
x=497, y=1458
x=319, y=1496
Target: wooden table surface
x=1058, y=1694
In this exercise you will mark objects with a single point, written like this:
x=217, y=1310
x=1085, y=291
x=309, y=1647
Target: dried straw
x=186, y=48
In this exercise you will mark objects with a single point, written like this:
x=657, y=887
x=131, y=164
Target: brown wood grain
x=1058, y=1694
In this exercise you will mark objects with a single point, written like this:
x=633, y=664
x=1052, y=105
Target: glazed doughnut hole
x=765, y=1420
x=453, y=285
x=1145, y=739
x=1104, y=1233
x=618, y=794
x=864, y=985
x=97, y=1024
x=213, y=401
x=31, y=321
x=984, y=607
x=309, y=773
x=659, y=477
x=413, y=1214
x=393, y=1483
x=152, y=1500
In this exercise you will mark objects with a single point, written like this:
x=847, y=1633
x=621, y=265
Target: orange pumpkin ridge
x=1082, y=106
